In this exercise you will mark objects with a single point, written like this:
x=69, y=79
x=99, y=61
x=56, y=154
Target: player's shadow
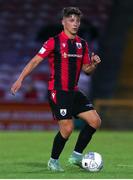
x=36, y=167
x=33, y=164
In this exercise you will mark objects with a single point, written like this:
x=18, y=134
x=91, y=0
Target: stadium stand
x=20, y=22
x=125, y=86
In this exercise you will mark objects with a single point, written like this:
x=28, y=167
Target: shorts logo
x=63, y=112
x=53, y=96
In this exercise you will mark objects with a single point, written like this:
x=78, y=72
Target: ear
x=63, y=22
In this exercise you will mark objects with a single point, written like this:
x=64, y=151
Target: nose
x=75, y=24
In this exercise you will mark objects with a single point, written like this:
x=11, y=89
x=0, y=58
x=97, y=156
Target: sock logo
x=63, y=112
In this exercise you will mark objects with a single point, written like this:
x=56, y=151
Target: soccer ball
x=92, y=162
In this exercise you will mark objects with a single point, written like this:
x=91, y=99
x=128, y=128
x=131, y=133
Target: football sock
x=58, y=145
x=84, y=138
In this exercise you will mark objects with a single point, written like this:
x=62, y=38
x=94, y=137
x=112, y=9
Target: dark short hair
x=68, y=11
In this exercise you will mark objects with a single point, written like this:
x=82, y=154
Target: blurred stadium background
x=107, y=26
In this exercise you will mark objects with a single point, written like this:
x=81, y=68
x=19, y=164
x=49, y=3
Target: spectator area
x=20, y=22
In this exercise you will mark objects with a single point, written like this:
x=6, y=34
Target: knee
x=96, y=122
x=67, y=130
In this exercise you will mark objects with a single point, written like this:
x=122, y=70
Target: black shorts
x=66, y=104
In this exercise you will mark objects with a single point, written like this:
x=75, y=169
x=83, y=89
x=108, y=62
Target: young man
x=67, y=54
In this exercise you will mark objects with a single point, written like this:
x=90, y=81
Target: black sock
x=84, y=138
x=58, y=145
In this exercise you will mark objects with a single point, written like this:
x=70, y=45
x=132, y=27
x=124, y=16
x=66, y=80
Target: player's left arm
x=90, y=67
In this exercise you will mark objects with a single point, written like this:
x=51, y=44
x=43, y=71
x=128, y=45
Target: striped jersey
x=66, y=57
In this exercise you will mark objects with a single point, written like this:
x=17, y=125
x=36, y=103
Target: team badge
x=63, y=112
x=79, y=45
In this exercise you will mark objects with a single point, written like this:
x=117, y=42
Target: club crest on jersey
x=63, y=112
x=79, y=45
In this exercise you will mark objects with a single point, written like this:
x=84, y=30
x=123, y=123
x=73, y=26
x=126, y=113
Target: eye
x=71, y=20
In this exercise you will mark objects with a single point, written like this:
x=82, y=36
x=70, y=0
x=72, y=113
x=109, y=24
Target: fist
x=95, y=59
x=15, y=87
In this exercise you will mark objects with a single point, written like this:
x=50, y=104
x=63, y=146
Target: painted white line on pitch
x=125, y=165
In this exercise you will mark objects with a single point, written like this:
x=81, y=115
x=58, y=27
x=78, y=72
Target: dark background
x=107, y=25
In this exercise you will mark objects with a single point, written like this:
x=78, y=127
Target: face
x=71, y=24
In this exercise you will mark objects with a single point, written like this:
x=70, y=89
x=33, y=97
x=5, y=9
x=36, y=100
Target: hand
x=15, y=87
x=95, y=59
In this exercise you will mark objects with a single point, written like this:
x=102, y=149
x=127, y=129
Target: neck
x=71, y=36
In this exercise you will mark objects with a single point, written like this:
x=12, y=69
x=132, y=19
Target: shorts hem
x=75, y=115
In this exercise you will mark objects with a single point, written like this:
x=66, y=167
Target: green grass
x=25, y=155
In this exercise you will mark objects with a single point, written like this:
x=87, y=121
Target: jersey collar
x=66, y=37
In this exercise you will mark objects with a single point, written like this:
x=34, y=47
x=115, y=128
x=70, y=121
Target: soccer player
x=67, y=54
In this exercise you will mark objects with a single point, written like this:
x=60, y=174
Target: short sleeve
x=47, y=48
x=86, y=57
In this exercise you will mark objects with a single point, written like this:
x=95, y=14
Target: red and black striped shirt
x=66, y=57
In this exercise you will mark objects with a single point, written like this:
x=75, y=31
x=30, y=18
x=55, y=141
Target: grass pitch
x=24, y=155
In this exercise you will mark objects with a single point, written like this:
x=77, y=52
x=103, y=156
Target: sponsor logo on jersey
x=65, y=55
x=63, y=112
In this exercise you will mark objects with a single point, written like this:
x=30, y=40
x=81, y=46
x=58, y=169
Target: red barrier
x=25, y=116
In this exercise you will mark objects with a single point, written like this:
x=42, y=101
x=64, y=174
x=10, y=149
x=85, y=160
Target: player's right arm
x=26, y=71
x=33, y=63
